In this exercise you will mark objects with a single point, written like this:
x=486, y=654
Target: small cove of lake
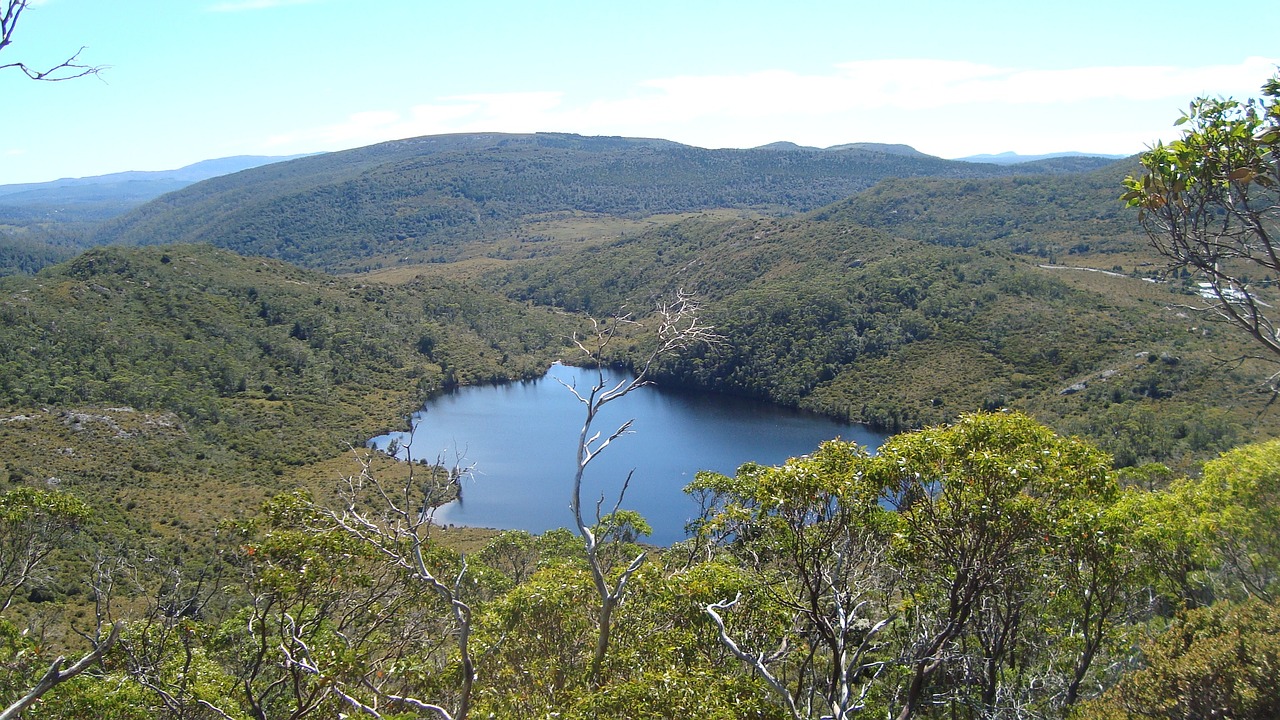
x=519, y=440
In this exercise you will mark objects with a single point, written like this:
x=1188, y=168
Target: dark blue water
x=520, y=440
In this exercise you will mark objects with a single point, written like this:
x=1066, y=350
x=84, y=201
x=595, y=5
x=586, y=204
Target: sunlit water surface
x=519, y=440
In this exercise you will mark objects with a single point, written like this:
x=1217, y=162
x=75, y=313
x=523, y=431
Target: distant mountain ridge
x=102, y=196
x=185, y=175
x=892, y=149
x=428, y=197
x=1012, y=158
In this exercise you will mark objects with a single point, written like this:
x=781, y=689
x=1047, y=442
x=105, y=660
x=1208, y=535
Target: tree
x=814, y=538
x=68, y=69
x=1211, y=662
x=392, y=524
x=34, y=524
x=1209, y=203
x=989, y=508
x=1244, y=485
x=679, y=326
x=981, y=566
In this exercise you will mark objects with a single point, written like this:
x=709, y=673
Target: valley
x=205, y=370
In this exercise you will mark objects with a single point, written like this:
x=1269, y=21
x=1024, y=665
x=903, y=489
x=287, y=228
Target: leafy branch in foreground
x=1210, y=203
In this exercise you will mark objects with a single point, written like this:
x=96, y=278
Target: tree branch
x=56, y=675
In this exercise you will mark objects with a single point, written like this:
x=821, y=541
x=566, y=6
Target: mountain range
x=107, y=195
x=1012, y=158
x=431, y=198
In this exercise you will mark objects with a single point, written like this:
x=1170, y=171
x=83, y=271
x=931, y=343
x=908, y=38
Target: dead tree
x=398, y=528
x=679, y=326
x=68, y=69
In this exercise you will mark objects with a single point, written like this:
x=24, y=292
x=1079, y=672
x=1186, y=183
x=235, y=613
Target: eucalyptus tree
x=978, y=568
x=1210, y=203
x=986, y=507
x=815, y=540
x=393, y=522
x=1213, y=540
x=353, y=609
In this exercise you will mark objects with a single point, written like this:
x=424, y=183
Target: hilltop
x=434, y=198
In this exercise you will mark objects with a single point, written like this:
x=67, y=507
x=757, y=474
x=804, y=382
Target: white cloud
x=951, y=108
x=507, y=112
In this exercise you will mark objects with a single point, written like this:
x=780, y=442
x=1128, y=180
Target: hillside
x=822, y=312
x=433, y=198
x=188, y=366
x=45, y=223
x=1049, y=216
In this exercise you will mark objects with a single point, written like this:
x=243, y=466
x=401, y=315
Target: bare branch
x=755, y=662
x=679, y=327
x=68, y=69
x=401, y=535
x=55, y=675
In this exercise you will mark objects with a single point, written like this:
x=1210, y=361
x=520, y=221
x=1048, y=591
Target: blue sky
x=189, y=80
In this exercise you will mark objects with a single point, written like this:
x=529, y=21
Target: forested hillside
x=248, y=368
x=45, y=223
x=431, y=198
x=824, y=313
x=1050, y=216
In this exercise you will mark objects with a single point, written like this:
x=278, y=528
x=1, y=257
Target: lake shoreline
x=519, y=439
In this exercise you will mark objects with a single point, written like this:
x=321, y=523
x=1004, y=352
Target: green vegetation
x=26, y=256
x=434, y=199
x=142, y=376
x=824, y=313
x=985, y=568
x=1054, y=217
x=1085, y=527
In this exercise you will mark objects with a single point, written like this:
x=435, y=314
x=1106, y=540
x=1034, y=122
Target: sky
x=190, y=80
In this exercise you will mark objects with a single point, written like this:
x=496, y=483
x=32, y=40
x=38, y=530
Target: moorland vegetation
x=1076, y=517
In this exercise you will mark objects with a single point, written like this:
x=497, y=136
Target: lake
x=519, y=439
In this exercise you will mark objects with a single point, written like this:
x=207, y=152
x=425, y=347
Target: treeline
x=984, y=569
